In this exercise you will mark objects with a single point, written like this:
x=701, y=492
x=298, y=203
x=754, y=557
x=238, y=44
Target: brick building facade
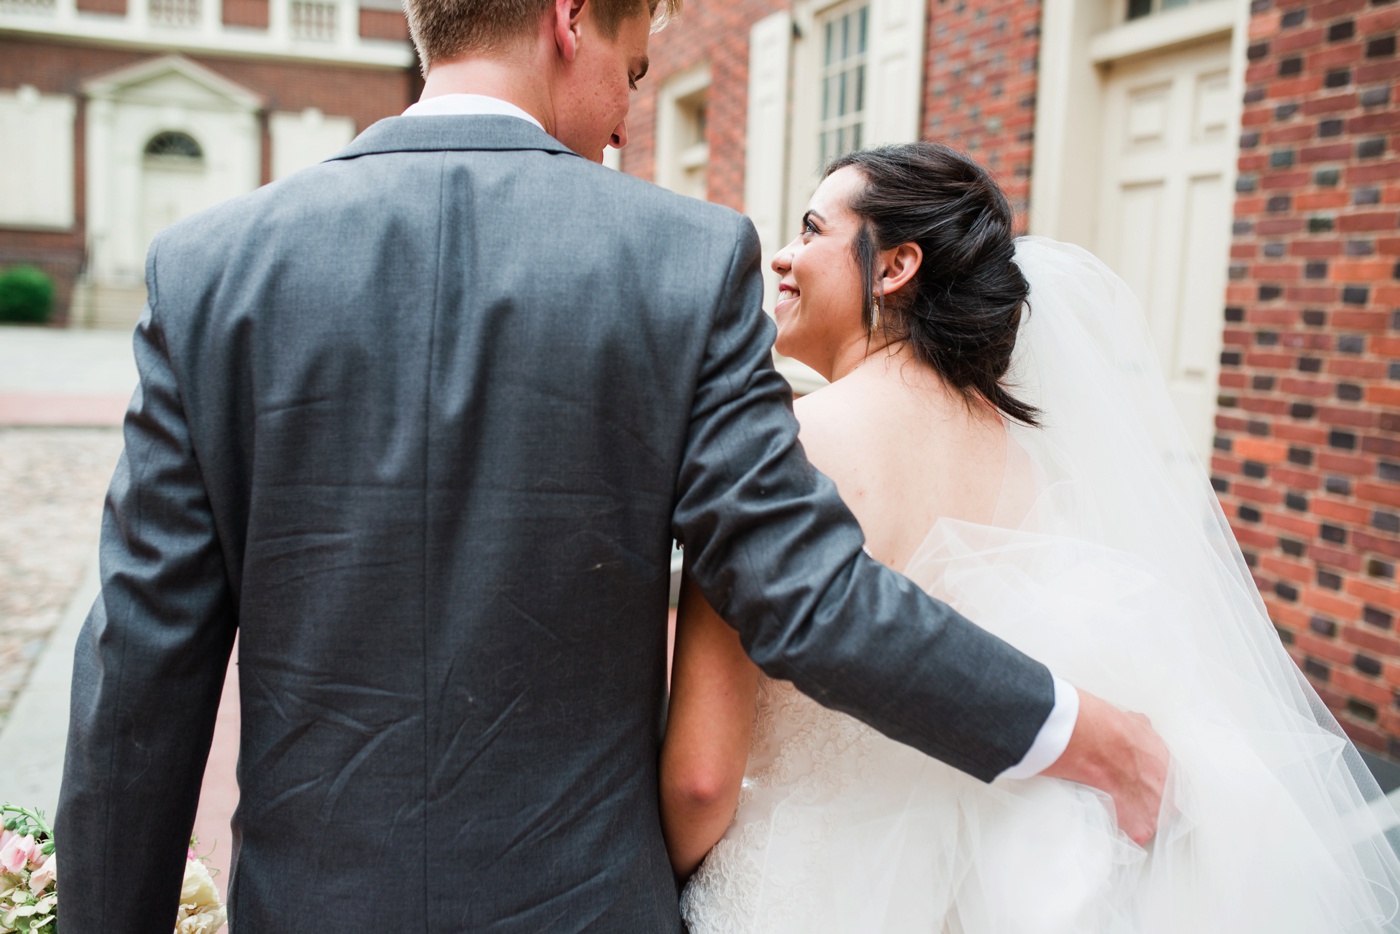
x=257, y=88
x=1302, y=408
x=715, y=34
x=1307, y=460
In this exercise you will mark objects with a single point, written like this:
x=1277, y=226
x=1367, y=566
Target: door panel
x=1164, y=211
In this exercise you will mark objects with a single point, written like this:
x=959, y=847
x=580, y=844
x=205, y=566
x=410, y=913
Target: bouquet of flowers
x=29, y=880
x=28, y=873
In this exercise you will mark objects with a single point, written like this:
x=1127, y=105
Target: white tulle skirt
x=840, y=829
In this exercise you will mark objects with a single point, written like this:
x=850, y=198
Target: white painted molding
x=670, y=151
x=1160, y=31
x=114, y=83
x=766, y=138
x=135, y=32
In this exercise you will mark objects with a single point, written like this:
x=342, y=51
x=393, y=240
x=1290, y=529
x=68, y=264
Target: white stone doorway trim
x=1078, y=38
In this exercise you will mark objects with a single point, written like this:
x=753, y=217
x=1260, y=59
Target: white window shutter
x=36, y=159
x=894, y=104
x=765, y=146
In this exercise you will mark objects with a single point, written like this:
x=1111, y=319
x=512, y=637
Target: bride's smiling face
x=820, y=290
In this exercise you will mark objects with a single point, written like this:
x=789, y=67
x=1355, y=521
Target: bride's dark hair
x=961, y=311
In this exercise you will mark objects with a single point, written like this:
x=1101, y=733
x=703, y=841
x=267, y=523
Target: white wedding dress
x=1110, y=561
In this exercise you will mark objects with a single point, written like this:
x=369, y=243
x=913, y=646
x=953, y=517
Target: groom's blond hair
x=443, y=30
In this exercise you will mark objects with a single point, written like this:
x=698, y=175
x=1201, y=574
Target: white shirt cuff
x=1054, y=734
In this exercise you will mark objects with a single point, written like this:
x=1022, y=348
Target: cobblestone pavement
x=52, y=481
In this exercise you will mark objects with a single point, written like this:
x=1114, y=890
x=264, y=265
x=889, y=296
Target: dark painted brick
x=1255, y=470
x=1386, y=521
x=1292, y=547
x=1341, y=486
x=1341, y=439
x=1380, y=48
x=1349, y=392
x=1314, y=318
x=1329, y=580
x=1334, y=533
x=1316, y=669
x=1296, y=501
x=1323, y=626
x=1309, y=365
x=1360, y=709
x=1249, y=514
x=1339, y=31
x=1356, y=295
x=1377, y=617
x=1300, y=456
x=1370, y=148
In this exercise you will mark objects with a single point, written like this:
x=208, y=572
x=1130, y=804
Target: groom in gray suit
x=420, y=424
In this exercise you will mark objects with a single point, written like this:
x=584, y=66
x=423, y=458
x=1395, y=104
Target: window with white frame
x=844, y=34
x=682, y=150
x=1137, y=9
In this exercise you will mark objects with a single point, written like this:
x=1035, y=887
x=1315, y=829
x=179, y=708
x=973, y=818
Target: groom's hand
x=1121, y=754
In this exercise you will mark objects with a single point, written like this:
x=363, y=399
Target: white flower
x=46, y=872
x=201, y=912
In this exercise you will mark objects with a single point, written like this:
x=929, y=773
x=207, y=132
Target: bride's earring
x=875, y=310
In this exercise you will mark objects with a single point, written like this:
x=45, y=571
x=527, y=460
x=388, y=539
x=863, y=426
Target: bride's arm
x=708, y=731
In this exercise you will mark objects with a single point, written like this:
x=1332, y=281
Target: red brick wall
x=980, y=82
x=117, y=7
x=250, y=13
x=363, y=93
x=718, y=33
x=1308, y=446
x=383, y=24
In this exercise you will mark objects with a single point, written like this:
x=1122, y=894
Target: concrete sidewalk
x=64, y=378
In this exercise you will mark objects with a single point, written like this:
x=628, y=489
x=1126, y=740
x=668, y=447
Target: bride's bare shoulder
x=835, y=421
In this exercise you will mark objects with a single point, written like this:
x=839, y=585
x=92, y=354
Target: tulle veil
x=1275, y=823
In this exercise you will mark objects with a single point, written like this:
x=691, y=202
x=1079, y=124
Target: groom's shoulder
x=652, y=199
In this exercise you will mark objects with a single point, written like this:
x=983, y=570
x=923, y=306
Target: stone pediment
x=172, y=79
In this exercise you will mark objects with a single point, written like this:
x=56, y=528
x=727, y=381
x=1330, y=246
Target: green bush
x=26, y=295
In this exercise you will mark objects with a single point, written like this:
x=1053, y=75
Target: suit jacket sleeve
x=148, y=670
x=779, y=556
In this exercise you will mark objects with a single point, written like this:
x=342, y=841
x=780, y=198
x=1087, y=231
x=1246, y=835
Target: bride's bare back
x=904, y=451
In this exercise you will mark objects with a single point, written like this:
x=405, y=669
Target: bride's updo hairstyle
x=961, y=311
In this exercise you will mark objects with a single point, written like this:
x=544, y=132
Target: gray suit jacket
x=420, y=423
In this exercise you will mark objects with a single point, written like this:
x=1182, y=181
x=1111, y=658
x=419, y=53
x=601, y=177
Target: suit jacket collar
x=449, y=133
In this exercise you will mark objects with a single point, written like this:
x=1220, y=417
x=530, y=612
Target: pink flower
x=5, y=837
x=46, y=872
x=17, y=852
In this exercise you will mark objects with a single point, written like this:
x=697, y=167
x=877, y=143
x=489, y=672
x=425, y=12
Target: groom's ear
x=898, y=266
x=568, y=20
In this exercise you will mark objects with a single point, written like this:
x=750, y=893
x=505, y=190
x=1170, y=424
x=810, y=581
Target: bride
x=997, y=423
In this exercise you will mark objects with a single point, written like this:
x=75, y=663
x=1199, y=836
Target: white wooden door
x=1164, y=211
x=170, y=193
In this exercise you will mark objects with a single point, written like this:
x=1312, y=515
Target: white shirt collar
x=467, y=105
